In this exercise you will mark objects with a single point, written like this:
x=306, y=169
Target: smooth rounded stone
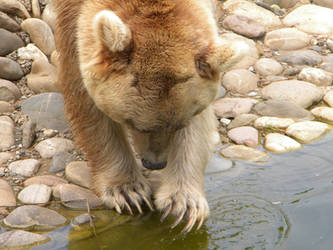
x=6, y=107
x=307, y=131
x=268, y=66
x=299, y=92
x=6, y=132
x=59, y=161
x=78, y=173
x=49, y=15
x=283, y=109
x=46, y=110
x=288, y=3
x=242, y=120
x=9, y=91
x=81, y=219
x=40, y=33
x=330, y=44
x=10, y=69
x=323, y=113
x=218, y=164
x=287, y=39
x=279, y=143
x=246, y=135
x=327, y=67
x=26, y=168
x=241, y=152
x=253, y=11
x=35, y=8
x=9, y=42
x=301, y=57
x=240, y=81
x=7, y=196
x=76, y=197
x=19, y=239
x=244, y=26
x=8, y=23
x=311, y=18
x=31, y=52
x=5, y=157
x=49, y=180
x=292, y=71
x=324, y=3
x=28, y=133
x=14, y=7
x=328, y=98
x=316, y=76
x=275, y=122
x=35, y=194
x=32, y=216
x=49, y=147
x=231, y=107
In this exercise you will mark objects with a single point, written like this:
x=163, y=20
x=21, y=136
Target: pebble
x=301, y=57
x=242, y=120
x=10, y=69
x=59, y=161
x=316, y=76
x=240, y=81
x=78, y=173
x=275, y=122
x=9, y=42
x=31, y=52
x=328, y=98
x=7, y=196
x=6, y=132
x=8, y=23
x=324, y=3
x=14, y=7
x=323, y=113
x=49, y=180
x=6, y=107
x=287, y=39
x=35, y=8
x=81, y=219
x=26, y=168
x=49, y=147
x=231, y=107
x=9, y=91
x=32, y=216
x=5, y=157
x=268, y=66
x=241, y=152
x=49, y=15
x=35, y=194
x=246, y=135
x=299, y=92
x=307, y=131
x=28, y=133
x=279, y=143
x=19, y=239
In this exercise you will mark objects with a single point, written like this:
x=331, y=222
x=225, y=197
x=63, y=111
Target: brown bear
x=143, y=73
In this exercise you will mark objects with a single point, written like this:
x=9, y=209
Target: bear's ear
x=111, y=31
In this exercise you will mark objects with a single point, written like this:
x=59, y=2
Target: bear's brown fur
x=145, y=70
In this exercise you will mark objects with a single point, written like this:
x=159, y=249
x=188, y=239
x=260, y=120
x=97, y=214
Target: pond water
x=286, y=203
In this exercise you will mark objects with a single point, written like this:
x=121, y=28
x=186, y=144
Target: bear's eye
x=204, y=69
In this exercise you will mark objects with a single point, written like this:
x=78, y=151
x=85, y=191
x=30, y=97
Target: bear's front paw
x=186, y=204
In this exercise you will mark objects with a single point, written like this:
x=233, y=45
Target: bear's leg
x=181, y=189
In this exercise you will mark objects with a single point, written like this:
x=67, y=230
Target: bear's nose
x=153, y=166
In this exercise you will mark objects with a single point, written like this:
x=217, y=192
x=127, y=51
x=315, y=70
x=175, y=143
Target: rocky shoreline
x=279, y=95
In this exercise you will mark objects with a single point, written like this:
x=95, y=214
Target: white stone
x=279, y=143
x=35, y=194
x=275, y=122
x=6, y=132
x=48, y=148
x=26, y=168
x=323, y=113
x=241, y=152
x=316, y=76
x=31, y=52
x=268, y=66
x=240, y=81
x=307, y=131
x=328, y=98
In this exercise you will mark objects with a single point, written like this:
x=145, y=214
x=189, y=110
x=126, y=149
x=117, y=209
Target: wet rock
x=31, y=216
x=218, y=164
x=324, y=3
x=19, y=239
x=307, y=131
x=6, y=132
x=275, y=122
x=35, y=8
x=31, y=52
x=242, y=120
x=81, y=219
x=8, y=23
x=267, y=66
x=240, y=81
x=279, y=143
x=323, y=113
x=14, y=7
x=244, y=135
x=78, y=173
x=28, y=133
x=7, y=196
x=26, y=168
x=231, y=107
x=9, y=42
x=35, y=194
x=287, y=39
x=47, y=110
x=241, y=152
x=48, y=180
x=10, y=69
x=40, y=33
x=6, y=107
x=59, y=161
x=302, y=57
x=328, y=98
x=5, y=157
x=9, y=91
x=244, y=26
x=49, y=147
x=49, y=15
x=302, y=93
x=316, y=76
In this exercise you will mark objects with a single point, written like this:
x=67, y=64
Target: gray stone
x=246, y=135
x=7, y=196
x=292, y=71
x=268, y=66
x=81, y=219
x=78, y=173
x=5, y=157
x=9, y=91
x=14, y=7
x=6, y=107
x=31, y=52
x=19, y=239
x=49, y=180
x=287, y=39
x=302, y=57
x=28, y=133
x=307, y=131
x=10, y=69
x=231, y=107
x=279, y=143
x=6, y=132
x=8, y=23
x=9, y=42
x=241, y=152
x=26, y=168
x=35, y=194
x=240, y=81
x=316, y=76
x=242, y=120
x=59, y=161
x=49, y=147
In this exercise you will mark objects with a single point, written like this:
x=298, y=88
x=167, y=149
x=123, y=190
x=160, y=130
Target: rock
x=253, y=11
x=240, y=81
x=9, y=42
x=19, y=239
x=288, y=3
x=28, y=133
x=6, y=107
x=48, y=133
x=330, y=44
x=59, y=161
x=324, y=3
x=14, y=7
x=35, y=194
x=47, y=110
x=7, y=196
x=8, y=23
x=274, y=122
x=40, y=33
x=48, y=180
x=9, y=91
x=292, y=71
x=26, y=168
x=29, y=216
x=323, y=113
x=311, y=18
x=31, y=52
x=283, y=109
x=241, y=152
x=35, y=8
x=242, y=120
x=244, y=26
x=302, y=93
x=328, y=98
x=49, y=15
x=49, y=147
x=327, y=67
x=5, y=157
x=267, y=66
x=218, y=164
x=316, y=76
x=278, y=143
x=301, y=57
x=231, y=107
x=307, y=131
x=10, y=69
x=6, y=132
x=287, y=39
x=81, y=219
x=78, y=173
x=244, y=135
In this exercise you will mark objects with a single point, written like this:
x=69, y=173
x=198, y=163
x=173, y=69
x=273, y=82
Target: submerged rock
x=19, y=239
x=241, y=152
